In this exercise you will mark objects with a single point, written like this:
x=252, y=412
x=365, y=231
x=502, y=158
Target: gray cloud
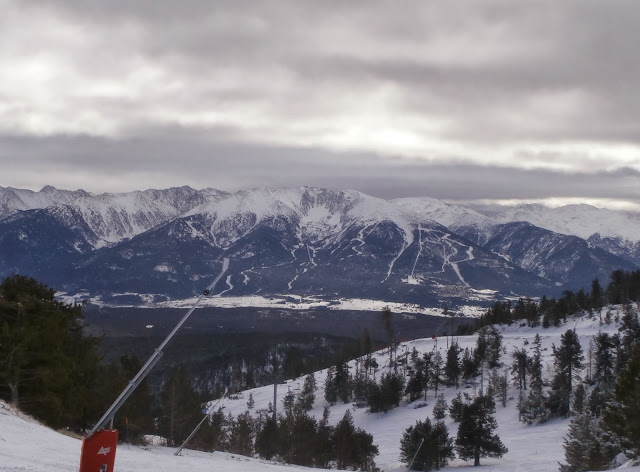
x=210, y=158
x=491, y=99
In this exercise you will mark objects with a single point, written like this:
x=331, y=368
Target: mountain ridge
x=301, y=241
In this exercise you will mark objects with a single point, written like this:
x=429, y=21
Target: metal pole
x=275, y=398
x=415, y=455
x=206, y=415
x=155, y=357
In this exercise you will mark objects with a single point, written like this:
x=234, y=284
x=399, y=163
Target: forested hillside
x=532, y=362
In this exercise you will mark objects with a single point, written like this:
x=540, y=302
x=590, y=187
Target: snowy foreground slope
x=27, y=446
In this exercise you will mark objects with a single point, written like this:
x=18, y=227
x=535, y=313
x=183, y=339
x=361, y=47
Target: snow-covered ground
x=27, y=446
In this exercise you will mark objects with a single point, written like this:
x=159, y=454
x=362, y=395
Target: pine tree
x=597, y=295
x=604, y=364
x=596, y=401
x=374, y=397
x=251, y=402
x=307, y=395
x=288, y=402
x=343, y=440
x=534, y=408
x=387, y=394
x=630, y=330
x=267, y=439
x=285, y=435
x=475, y=434
x=330, y=390
x=488, y=347
x=415, y=385
x=48, y=366
x=532, y=313
x=586, y=446
x=236, y=378
x=353, y=447
x=427, y=363
x=482, y=345
x=494, y=349
x=324, y=441
x=499, y=386
x=364, y=451
x=568, y=361
x=469, y=364
x=303, y=445
x=392, y=386
x=216, y=431
x=435, y=375
x=359, y=383
x=435, y=446
x=241, y=435
x=370, y=365
x=455, y=409
x=519, y=368
x=440, y=408
x=622, y=416
x=342, y=382
x=452, y=369
x=579, y=399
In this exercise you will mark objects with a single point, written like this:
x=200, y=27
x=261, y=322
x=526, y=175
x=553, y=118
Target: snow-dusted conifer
x=622, y=416
x=307, y=397
x=251, y=402
x=440, y=408
x=568, y=362
x=586, y=446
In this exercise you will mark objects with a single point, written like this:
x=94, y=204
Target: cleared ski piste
x=26, y=445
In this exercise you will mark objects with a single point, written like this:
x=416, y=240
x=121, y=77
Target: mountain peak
x=48, y=189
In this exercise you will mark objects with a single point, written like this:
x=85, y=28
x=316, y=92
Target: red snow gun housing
x=99, y=451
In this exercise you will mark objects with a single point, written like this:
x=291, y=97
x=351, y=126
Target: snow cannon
x=99, y=451
x=99, y=446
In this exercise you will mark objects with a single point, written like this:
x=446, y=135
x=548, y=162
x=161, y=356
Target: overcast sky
x=485, y=100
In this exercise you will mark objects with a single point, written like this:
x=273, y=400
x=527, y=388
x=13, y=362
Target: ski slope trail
x=447, y=257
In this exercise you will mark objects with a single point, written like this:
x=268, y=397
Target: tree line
x=623, y=289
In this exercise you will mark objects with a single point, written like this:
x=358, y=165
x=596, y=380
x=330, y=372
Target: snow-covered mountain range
x=305, y=241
